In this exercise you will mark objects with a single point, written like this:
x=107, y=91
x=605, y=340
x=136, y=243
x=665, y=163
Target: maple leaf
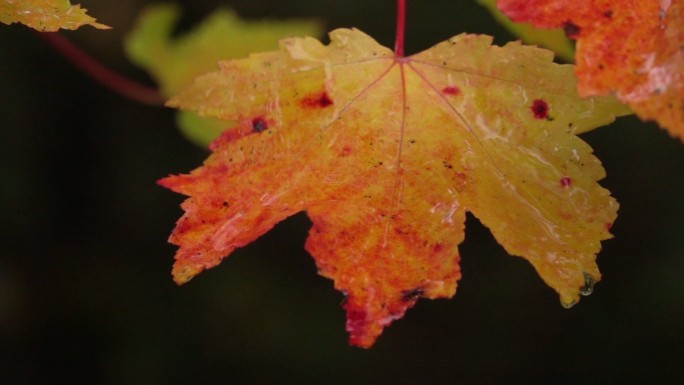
x=174, y=61
x=386, y=154
x=46, y=15
x=630, y=47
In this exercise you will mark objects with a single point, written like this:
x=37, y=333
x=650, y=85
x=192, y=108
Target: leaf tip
x=182, y=273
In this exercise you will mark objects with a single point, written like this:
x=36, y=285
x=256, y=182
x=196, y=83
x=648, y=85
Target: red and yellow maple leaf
x=633, y=48
x=46, y=15
x=386, y=154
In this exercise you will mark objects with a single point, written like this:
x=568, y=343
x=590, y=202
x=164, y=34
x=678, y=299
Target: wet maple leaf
x=46, y=15
x=386, y=154
x=633, y=48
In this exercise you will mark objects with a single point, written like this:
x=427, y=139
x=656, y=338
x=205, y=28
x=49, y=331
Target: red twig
x=105, y=76
x=401, y=28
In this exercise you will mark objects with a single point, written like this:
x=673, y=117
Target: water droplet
x=570, y=304
x=589, y=283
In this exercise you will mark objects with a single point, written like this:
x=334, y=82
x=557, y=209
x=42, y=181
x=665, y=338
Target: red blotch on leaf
x=437, y=247
x=540, y=109
x=356, y=323
x=346, y=150
x=566, y=181
x=451, y=90
x=321, y=100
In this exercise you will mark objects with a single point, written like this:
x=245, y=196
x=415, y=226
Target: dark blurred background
x=86, y=295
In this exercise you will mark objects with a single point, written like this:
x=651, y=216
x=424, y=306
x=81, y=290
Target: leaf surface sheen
x=387, y=154
x=632, y=48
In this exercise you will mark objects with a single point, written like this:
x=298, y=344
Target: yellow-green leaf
x=46, y=15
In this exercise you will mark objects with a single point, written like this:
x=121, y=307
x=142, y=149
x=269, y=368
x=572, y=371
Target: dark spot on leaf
x=571, y=29
x=259, y=125
x=608, y=14
x=321, y=100
x=225, y=204
x=451, y=90
x=540, y=109
x=447, y=164
x=566, y=181
x=412, y=295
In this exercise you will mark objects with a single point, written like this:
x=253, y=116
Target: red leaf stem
x=103, y=75
x=401, y=28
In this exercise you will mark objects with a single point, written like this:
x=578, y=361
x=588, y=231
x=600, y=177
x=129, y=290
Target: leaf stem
x=401, y=28
x=99, y=72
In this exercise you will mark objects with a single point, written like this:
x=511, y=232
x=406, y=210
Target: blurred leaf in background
x=175, y=61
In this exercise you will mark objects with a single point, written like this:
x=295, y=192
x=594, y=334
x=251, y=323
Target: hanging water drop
x=568, y=305
x=589, y=283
